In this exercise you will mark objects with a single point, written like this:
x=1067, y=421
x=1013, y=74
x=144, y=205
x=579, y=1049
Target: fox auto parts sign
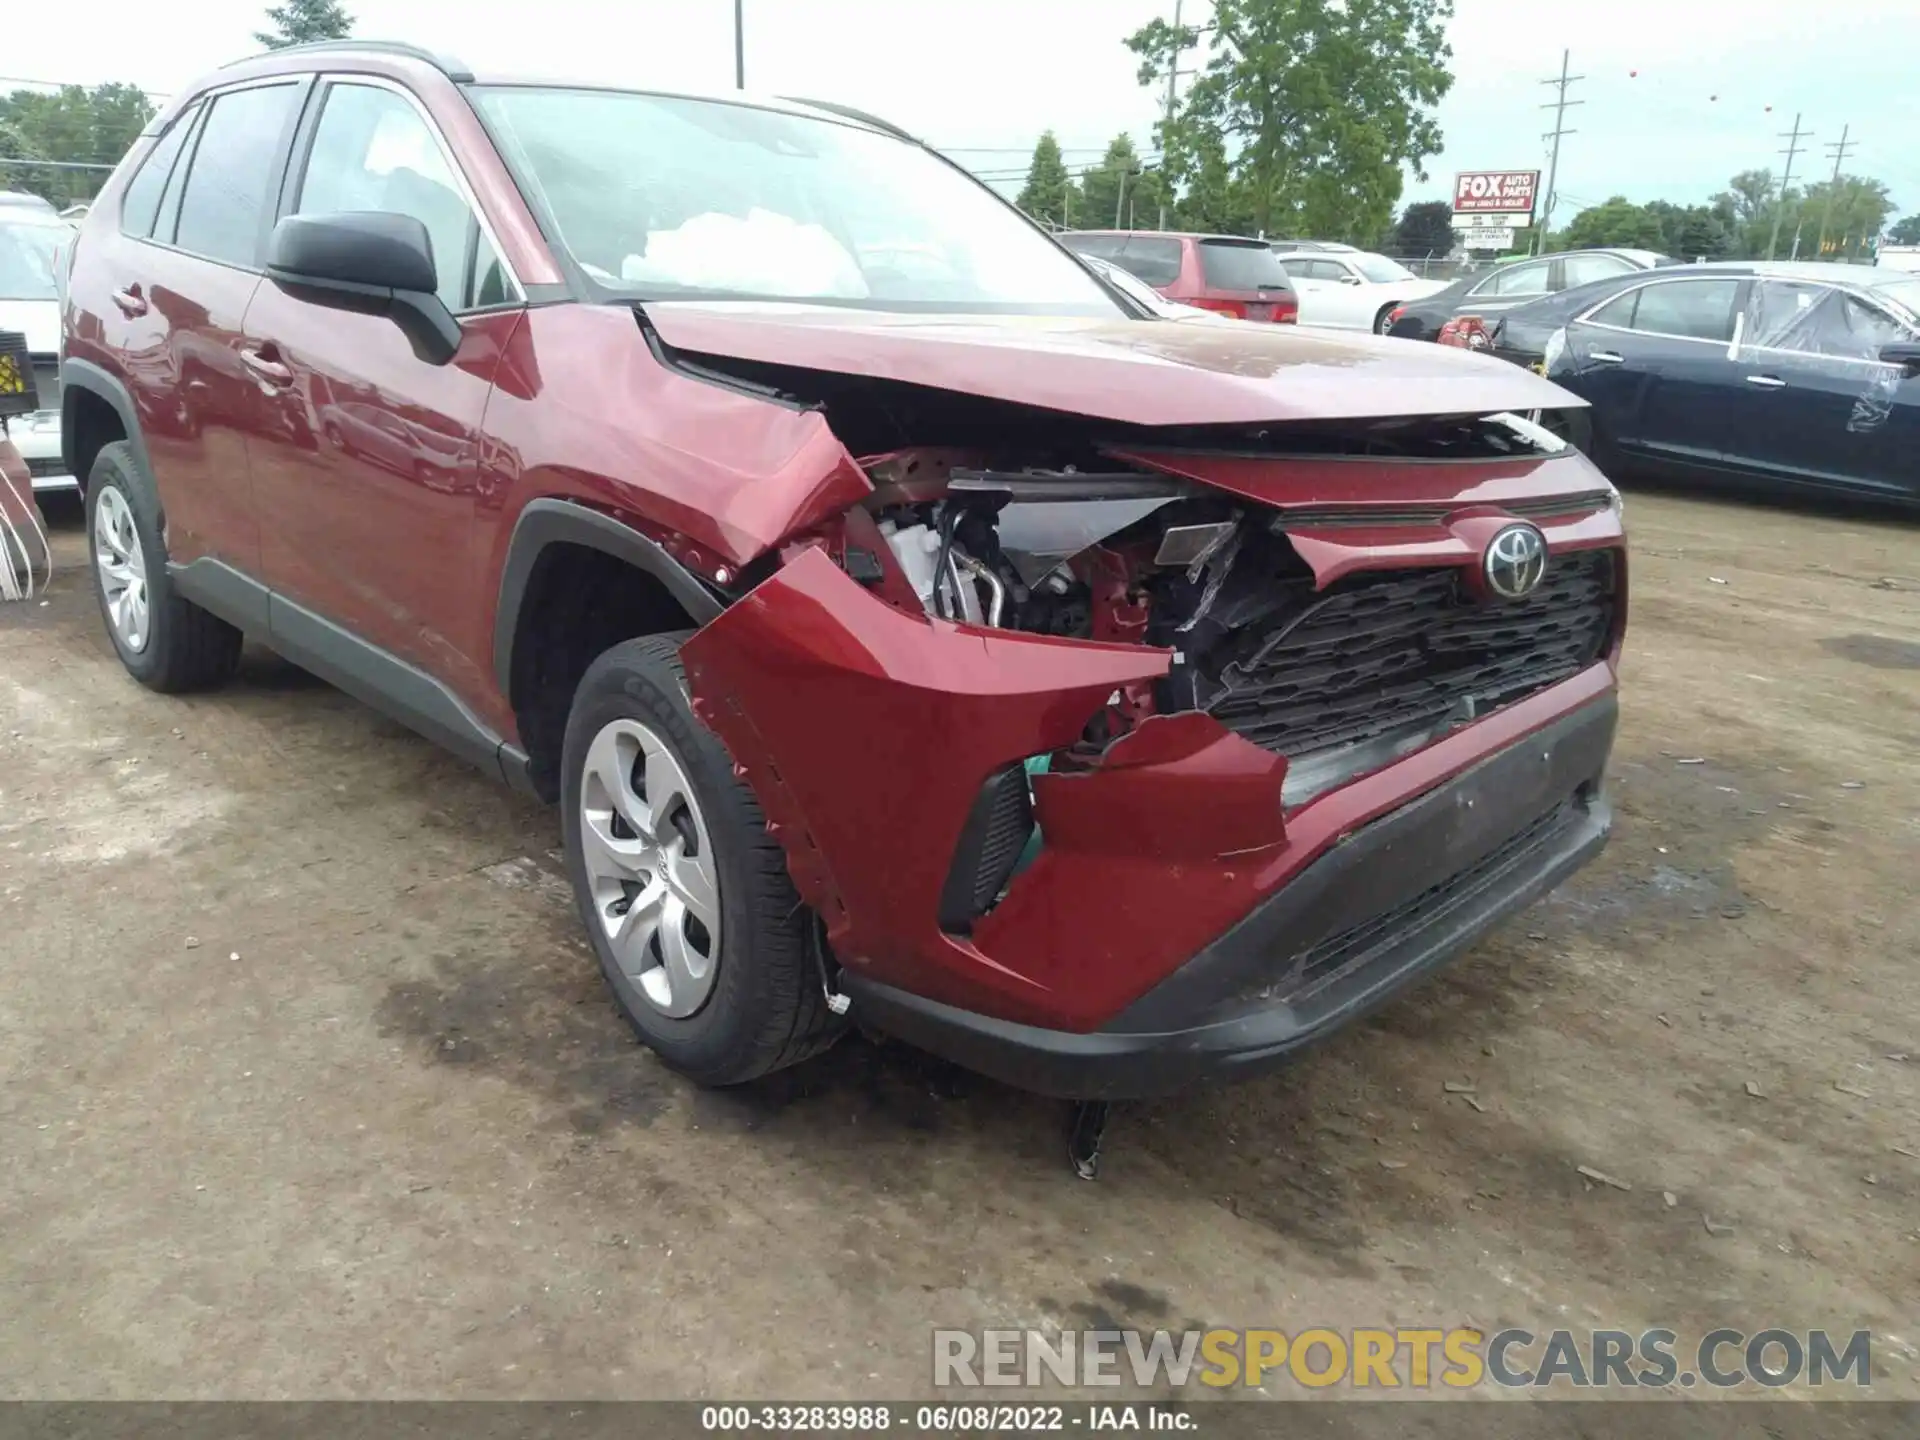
x=1495, y=192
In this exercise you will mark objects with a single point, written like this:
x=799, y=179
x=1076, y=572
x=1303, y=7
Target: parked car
x=1804, y=377
x=1222, y=273
x=25, y=200
x=1282, y=247
x=1518, y=282
x=950, y=653
x=1352, y=290
x=1148, y=298
x=31, y=239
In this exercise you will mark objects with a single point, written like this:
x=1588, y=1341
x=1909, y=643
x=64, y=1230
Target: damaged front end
x=1042, y=718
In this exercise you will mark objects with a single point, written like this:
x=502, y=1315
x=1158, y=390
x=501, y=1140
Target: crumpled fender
x=866, y=733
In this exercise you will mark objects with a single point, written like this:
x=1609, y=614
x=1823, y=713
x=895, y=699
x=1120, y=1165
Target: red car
x=1226, y=274
x=911, y=635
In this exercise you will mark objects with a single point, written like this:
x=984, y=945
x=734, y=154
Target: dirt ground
x=308, y=1087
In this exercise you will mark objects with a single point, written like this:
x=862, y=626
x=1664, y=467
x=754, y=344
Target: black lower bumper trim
x=1392, y=902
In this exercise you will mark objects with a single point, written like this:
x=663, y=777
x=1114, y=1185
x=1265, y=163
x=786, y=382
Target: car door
x=1655, y=363
x=363, y=465
x=1822, y=409
x=184, y=269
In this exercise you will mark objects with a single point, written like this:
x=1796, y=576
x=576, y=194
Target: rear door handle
x=131, y=303
x=1767, y=382
x=1606, y=357
x=268, y=372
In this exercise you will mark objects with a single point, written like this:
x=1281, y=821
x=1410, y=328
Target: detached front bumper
x=1394, y=901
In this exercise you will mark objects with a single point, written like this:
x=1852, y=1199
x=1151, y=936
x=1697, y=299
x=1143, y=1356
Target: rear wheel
x=685, y=896
x=1383, y=322
x=165, y=641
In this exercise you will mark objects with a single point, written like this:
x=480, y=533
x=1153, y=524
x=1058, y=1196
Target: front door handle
x=1767, y=382
x=131, y=302
x=268, y=372
x=1606, y=357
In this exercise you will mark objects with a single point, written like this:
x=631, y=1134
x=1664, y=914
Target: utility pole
x=1559, y=106
x=1833, y=187
x=739, y=46
x=1793, y=140
x=1173, y=75
x=1120, y=199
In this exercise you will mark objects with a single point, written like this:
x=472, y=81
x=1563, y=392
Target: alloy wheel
x=650, y=867
x=123, y=569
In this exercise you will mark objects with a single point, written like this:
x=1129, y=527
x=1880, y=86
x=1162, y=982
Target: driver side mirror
x=372, y=262
x=1349, y=279
x=1904, y=353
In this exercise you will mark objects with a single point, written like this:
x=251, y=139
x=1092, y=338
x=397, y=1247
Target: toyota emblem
x=1515, y=562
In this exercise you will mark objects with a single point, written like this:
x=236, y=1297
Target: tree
x=1618, y=222
x=299, y=22
x=73, y=125
x=1846, y=217
x=1319, y=104
x=1107, y=185
x=1044, y=196
x=1907, y=232
x=1698, y=233
x=1425, y=229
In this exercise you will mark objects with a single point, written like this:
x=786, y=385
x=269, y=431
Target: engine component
x=918, y=548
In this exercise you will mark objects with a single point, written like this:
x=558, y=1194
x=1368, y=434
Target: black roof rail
x=453, y=69
x=847, y=112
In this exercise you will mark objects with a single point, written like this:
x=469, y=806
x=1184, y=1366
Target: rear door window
x=1155, y=260
x=231, y=182
x=1687, y=309
x=1237, y=265
x=142, y=200
x=1517, y=280
x=1584, y=269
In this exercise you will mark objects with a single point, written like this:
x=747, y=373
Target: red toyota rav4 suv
x=912, y=633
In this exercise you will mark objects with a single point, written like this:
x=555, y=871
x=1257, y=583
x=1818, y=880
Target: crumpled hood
x=1140, y=372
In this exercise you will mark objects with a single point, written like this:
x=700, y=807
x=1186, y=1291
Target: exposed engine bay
x=1339, y=678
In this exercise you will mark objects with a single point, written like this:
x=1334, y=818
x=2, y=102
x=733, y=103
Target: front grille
x=1396, y=651
x=1339, y=954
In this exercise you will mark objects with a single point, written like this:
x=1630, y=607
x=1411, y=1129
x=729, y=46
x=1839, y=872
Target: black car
x=1492, y=292
x=1797, y=376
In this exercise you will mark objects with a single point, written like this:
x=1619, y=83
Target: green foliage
x=1303, y=113
x=1619, y=222
x=1105, y=189
x=1846, y=216
x=299, y=22
x=1907, y=232
x=71, y=124
x=1044, y=196
x=1425, y=229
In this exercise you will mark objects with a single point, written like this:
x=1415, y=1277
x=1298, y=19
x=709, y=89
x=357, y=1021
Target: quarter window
x=230, y=183
x=142, y=200
x=372, y=151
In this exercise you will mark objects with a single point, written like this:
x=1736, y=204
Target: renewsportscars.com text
x=1415, y=1359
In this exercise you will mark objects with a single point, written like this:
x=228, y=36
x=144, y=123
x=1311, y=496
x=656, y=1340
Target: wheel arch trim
x=547, y=522
x=77, y=375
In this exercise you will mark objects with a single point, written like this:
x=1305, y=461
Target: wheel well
x=579, y=602
x=96, y=425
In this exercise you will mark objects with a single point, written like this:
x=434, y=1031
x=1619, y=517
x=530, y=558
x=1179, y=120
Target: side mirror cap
x=374, y=262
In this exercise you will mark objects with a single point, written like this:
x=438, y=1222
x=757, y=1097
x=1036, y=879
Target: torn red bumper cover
x=1178, y=923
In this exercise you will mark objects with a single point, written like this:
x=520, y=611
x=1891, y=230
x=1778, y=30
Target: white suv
x=31, y=242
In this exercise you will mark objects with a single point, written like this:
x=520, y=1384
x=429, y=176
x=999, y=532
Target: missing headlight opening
x=1340, y=678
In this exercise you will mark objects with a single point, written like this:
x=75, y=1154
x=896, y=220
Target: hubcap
x=650, y=869
x=122, y=567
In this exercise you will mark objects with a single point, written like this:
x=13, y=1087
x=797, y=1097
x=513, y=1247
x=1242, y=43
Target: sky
x=982, y=78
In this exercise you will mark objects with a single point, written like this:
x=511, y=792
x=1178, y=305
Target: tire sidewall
x=616, y=687
x=115, y=469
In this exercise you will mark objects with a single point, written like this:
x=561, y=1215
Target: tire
x=763, y=1006
x=177, y=646
x=1382, y=324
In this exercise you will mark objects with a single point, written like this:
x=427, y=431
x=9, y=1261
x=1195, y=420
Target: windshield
x=26, y=259
x=1380, y=270
x=665, y=197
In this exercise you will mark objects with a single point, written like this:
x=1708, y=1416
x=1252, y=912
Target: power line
x=1793, y=140
x=1559, y=106
x=1839, y=149
x=74, y=85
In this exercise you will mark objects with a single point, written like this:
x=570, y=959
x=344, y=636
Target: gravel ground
x=308, y=1087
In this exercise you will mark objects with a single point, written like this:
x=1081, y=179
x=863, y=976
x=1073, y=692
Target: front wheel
x=685, y=896
x=1383, y=322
